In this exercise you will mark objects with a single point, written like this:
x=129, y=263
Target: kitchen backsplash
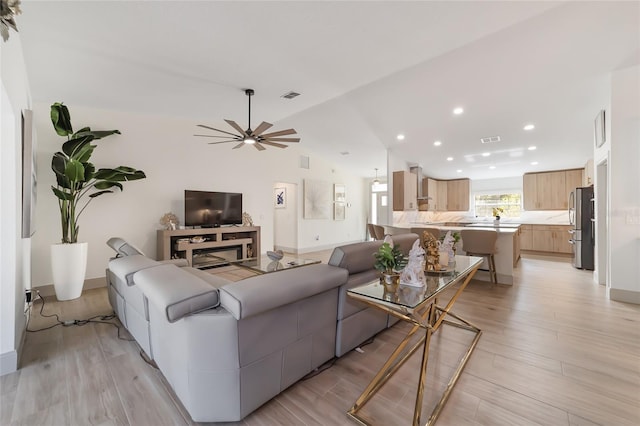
x=545, y=217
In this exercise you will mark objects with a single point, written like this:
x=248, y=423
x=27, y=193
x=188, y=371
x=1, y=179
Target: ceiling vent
x=290, y=95
x=490, y=139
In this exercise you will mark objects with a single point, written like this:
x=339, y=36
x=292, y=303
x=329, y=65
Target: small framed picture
x=600, y=135
x=280, y=198
x=339, y=193
x=339, y=211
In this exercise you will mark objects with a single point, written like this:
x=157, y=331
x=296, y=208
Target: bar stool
x=378, y=232
x=481, y=242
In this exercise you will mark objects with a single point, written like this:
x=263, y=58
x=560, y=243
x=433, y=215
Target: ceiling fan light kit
x=255, y=137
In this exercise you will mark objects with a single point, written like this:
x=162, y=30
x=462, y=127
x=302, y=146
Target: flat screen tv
x=211, y=209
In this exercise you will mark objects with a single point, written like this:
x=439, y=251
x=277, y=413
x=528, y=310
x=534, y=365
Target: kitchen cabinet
x=588, y=173
x=550, y=190
x=441, y=196
x=526, y=237
x=458, y=195
x=548, y=238
x=405, y=191
x=429, y=189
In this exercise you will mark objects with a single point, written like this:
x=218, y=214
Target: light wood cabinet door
x=542, y=239
x=561, y=240
x=550, y=238
x=432, y=191
x=405, y=191
x=442, y=196
x=573, y=179
x=526, y=237
x=551, y=188
x=458, y=195
x=530, y=191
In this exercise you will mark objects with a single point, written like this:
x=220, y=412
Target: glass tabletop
x=264, y=264
x=411, y=297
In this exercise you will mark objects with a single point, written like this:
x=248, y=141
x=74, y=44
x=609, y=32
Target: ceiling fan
x=255, y=137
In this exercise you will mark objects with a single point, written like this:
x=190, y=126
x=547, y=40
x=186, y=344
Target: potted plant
x=389, y=261
x=77, y=184
x=496, y=213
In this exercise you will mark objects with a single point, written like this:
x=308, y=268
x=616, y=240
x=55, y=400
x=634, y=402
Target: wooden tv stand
x=243, y=239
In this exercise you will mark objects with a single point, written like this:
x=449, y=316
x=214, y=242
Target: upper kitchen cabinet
x=405, y=191
x=458, y=195
x=550, y=190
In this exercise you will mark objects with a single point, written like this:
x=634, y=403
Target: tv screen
x=210, y=209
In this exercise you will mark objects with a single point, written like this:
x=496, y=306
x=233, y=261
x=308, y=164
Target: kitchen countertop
x=442, y=227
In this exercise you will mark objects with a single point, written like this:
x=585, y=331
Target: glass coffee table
x=264, y=264
x=419, y=307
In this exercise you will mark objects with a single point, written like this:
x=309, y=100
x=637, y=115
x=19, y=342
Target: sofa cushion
x=125, y=267
x=176, y=291
x=262, y=293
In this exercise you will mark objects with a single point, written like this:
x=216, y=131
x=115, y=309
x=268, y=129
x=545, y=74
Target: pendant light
x=376, y=181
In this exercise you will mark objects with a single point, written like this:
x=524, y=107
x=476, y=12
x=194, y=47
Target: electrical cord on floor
x=102, y=319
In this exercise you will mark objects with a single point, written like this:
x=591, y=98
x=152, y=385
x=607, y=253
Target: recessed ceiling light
x=492, y=167
x=486, y=154
x=345, y=153
x=459, y=171
x=534, y=163
x=437, y=143
x=458, y=110
x=532, y=148
x=449, y=158
x=400, y=137
x=529, y=127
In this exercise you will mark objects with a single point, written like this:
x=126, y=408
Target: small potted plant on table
x=389, y=261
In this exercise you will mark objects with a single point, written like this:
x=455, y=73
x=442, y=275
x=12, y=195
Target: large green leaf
x=62, y=195
x=97, y=134
x=89, y=170
x=120, y=174
x=74, y=171
x=84, y=154
x=105, y=184
x=58, y=163
x=96, y=194
x=73, y=146
x=61, y=119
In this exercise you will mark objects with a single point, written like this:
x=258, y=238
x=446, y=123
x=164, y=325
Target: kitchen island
x=507, y=245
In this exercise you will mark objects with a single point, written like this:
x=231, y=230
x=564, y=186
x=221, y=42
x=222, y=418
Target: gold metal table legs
x=430, y=318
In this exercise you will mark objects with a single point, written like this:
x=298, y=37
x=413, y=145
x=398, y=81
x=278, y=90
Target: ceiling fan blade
x=261, y=128
x=213, y=136
x=259, y=147
x=240, y=145
x=290, y=140
x=217, y=130
x=280, y=133
x=279, y=145
x=235, y=126
x=214, y=143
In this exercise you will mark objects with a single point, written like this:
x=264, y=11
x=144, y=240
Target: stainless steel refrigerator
x=582, y=219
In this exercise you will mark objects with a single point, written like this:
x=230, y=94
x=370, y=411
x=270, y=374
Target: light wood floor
x=554, y=351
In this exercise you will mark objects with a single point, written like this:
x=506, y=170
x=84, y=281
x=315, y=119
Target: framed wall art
x=317, y=199
x=600, y=135
x=280, y=197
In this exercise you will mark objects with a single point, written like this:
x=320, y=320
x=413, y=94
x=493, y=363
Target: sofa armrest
x=262, y=293
x=176, y=292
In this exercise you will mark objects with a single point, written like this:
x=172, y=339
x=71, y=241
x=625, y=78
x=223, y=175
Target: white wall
x=624, y=186
x=13, y=259
x=174, y=160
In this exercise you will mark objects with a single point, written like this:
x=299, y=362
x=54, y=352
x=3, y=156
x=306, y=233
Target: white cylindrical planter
x=69, y=265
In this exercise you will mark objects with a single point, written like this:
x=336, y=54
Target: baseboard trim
x=91, y=283
x=8, y=362
x=627, y=296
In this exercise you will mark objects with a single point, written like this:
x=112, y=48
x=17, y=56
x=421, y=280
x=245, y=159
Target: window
x=510, y=202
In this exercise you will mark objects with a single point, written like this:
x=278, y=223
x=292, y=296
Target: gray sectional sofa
x=228, y=347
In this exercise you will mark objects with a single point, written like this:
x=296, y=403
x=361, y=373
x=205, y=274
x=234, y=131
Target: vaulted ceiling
x=366, y=71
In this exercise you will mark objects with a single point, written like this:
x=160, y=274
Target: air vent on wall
x=290, y=95
x=490, y=139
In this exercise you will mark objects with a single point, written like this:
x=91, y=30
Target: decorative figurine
x=431, y=244
x=169, y=221
x=246, y=219
x=413, y=273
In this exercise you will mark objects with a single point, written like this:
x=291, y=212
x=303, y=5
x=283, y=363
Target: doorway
x=379, y=204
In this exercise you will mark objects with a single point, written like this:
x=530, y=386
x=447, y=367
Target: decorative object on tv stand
x=77, y=180
x=169, y=221
x=246, y=219
x=255, y=137
x=8, y=8
x=389, y=261
x=413, y=273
